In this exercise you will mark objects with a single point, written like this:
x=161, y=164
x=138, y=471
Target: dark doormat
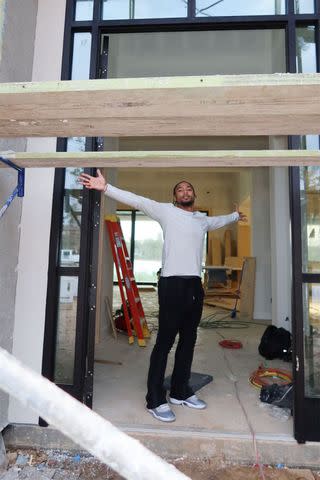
x=197, y=381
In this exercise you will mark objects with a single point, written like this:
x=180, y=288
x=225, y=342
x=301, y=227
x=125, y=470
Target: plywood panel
x=275, y=104
x=166, y=159
x=227, y=243
x=243, y=240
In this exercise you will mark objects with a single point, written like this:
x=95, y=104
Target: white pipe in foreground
x=122, y=453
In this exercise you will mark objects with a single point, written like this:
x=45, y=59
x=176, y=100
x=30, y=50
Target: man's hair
x=183, y=181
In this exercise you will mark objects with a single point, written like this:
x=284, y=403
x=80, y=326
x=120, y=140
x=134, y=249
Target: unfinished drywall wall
x=281, y=248
x=17, y=33
x=36, y=212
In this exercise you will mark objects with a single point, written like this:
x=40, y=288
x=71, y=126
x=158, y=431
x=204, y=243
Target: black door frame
x=306, y=415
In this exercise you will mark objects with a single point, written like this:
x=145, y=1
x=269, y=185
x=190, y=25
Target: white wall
x=36, y=212
x=261, y=246
x=17, y=32
x=281, y=248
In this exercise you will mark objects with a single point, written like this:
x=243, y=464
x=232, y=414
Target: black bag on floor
x=279, y=395
x=276, y=343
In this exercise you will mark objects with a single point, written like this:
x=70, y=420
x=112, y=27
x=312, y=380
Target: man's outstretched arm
x=150, y=207
x=220, y=221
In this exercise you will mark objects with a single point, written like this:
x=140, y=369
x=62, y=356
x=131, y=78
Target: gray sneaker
x=192, y=402
x=163, y=413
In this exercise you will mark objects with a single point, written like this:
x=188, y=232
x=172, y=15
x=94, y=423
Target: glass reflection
x=306, y=50
x=311, y=306
x=84, y=10
x=163, y=9
x=76, y=144
x=207, y=8
x=130, y=9
x=148, y=243
x=304, y=6
x=116, y=10
x=310, y=218
x=66, y=330
x=71, y=222
x=81, y=56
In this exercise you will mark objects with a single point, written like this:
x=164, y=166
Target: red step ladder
x=127, y=285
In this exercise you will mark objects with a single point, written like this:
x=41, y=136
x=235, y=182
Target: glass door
x=70, y=312
x=306, y=274
x=147, y=249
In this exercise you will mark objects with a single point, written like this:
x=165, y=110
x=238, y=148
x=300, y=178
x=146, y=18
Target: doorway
x=121, y=369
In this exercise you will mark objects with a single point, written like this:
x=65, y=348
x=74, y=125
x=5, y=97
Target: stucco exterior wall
x=36, y=212
x=17, y=32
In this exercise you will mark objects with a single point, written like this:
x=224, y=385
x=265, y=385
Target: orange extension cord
x=232, y=344
x=259, y=378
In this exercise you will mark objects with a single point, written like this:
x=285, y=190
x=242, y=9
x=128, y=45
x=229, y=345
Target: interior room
x=121, y=369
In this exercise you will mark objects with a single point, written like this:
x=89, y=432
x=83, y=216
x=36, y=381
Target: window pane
x=306, y=50
x=196, y=53
x=311, y=318
x=66, y=330
x=126, y=226
x=310, y=218
x=116, y=10
x=309, y=142
x=207, y=8
x=163, y=9
x=129, y=9
x=71, y=222
x=72, y=209
x=84, y=10
x=147, y=249
x=304, y=6
x=81, y=56
x=76, y=144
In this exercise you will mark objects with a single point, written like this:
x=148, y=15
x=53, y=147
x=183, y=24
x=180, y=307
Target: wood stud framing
x=166, y=159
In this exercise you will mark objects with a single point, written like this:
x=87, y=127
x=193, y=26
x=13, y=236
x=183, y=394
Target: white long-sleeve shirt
x=183, y=231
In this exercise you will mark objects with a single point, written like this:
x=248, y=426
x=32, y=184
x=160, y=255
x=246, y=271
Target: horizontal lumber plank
x=167, y=159
x=275, y=104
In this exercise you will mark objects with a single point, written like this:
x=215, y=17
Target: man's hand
x=96, y=183
x=242, y=216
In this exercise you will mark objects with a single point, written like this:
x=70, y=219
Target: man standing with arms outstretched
x=180, y=288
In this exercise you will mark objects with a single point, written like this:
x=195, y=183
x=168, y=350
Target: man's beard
x=186, y=203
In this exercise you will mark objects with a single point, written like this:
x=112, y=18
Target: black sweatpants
x=180, y=309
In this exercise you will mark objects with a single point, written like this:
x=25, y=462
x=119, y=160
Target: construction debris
x=60, y=465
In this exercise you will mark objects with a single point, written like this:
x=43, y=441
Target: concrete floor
x=233, y=404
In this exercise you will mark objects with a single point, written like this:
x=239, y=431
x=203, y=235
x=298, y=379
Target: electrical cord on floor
x=214, y=321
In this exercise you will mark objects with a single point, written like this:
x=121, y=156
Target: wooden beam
x=276, y=104
x=164, y=159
